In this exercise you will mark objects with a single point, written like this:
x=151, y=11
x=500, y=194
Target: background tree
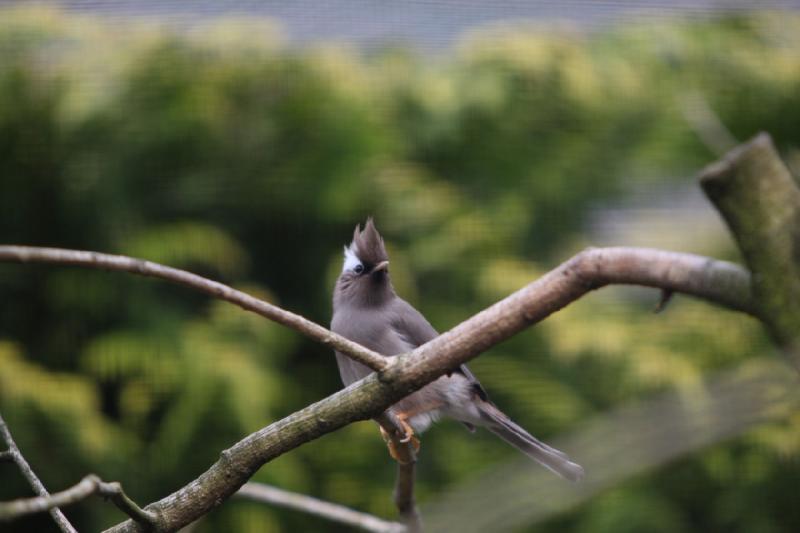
x=251, y=163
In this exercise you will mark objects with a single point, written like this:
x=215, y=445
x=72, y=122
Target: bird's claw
x=408, y=431
x=398, y=454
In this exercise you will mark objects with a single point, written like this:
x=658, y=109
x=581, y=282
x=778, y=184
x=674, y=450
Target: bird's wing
x=416, y=331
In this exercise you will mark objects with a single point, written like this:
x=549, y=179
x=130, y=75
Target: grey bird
x=367, y=310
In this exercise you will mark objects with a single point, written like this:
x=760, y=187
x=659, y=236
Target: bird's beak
x=382, y=266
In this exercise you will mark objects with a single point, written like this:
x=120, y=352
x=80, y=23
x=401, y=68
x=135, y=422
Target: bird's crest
x=367, y=245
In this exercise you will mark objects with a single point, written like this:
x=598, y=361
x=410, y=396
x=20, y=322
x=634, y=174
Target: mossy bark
x=760, y=201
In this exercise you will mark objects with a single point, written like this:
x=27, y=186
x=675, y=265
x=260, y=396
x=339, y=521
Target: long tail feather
x=554, y=460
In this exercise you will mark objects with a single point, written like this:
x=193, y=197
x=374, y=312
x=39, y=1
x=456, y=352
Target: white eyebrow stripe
x=350, y=259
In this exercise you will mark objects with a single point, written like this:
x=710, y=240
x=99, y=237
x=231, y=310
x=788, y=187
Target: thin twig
x=89, y=485
x=330, y=511
x=6, y=457
x=39, y=504
x=113, y=491
x=33, y=480
x=664, y=300
x=121, y=263
x=705, y=122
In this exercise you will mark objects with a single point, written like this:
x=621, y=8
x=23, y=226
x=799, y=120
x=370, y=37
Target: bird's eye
x=358, y=269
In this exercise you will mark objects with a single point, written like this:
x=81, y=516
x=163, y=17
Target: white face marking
x=350, y=260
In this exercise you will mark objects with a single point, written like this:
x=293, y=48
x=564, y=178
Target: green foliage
x=251, y=164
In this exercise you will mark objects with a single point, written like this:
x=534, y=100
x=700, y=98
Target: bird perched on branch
x=367, y=310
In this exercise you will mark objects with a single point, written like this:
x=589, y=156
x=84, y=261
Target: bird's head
x=365, y=273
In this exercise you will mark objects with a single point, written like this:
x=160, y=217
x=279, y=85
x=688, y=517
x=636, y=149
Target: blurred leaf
x=71, y=405
x=182, y=245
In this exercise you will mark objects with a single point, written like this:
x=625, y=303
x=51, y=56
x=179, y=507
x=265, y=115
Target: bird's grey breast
x=370, y=327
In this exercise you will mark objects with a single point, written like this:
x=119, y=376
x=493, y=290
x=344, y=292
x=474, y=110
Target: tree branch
x=716, y=281
x=404, y=491
x=89, y=485
x=113, y=491
x=406, y=472
x=33, y=480
x=25, y=506
x=719, y=282
x=121, y=263
x=760, y=202
x=336, y=513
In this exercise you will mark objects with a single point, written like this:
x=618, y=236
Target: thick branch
x=755, y=193
x=89, y=485
x=717, y=281
x=34, y=481
x=121, y=263
x=330, y=511
x=362, y=400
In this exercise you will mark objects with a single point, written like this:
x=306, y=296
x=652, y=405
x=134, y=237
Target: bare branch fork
x=719, y=282
x=13, y=454
x=45, y=501
x=88, y=486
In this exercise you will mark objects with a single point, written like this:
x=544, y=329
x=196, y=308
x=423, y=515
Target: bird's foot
x=396, y=449
x=408, y=431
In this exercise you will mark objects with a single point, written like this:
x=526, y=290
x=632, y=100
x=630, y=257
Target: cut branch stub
x=760, y=202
